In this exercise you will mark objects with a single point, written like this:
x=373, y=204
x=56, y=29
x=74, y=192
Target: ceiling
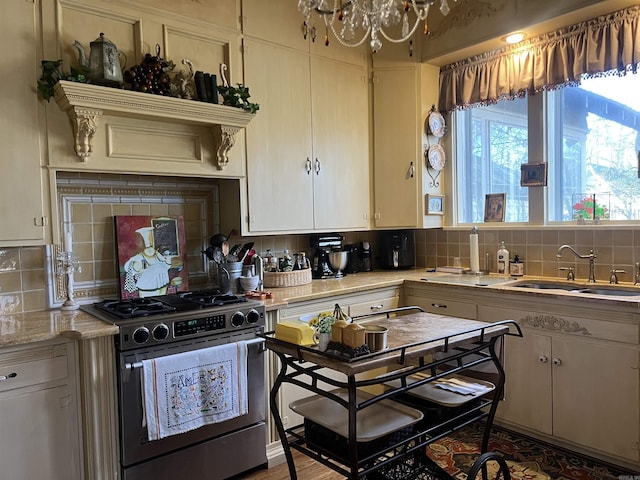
x=474, y=27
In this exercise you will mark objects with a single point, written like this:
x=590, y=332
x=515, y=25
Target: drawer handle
x=437, y=305
x=7, y=377
x=377, y=307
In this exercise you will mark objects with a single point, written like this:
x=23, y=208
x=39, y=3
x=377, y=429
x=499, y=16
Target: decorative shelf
x=85, y=103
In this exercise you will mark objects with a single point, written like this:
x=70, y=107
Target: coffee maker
x=397, y=248
x=323, y=244
x=353, y=264
x=365, y=257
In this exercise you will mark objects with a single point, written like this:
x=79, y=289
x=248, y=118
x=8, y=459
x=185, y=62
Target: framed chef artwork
x=151, y=255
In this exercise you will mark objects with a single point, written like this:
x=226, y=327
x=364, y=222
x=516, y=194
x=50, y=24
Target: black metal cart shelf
x=423, y=348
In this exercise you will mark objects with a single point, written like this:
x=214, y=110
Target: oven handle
x=131, y=366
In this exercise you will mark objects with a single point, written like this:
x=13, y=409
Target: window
x=594, y=148
x=492, y=143
x=593, y=143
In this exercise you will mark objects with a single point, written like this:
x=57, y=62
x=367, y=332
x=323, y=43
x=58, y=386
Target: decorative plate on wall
x=435, y=122
x=436, y=158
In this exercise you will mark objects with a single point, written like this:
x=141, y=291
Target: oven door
x=135, y=446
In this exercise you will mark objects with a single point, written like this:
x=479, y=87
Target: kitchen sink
x=546, y=285
x=613, y=290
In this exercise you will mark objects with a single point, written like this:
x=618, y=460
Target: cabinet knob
x=543, y=359
x=557, y=361
x=7, y=377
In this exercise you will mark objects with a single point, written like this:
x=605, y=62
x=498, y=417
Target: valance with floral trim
x=609, y=44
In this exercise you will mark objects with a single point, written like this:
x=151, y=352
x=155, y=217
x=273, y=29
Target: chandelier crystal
x=348, y=19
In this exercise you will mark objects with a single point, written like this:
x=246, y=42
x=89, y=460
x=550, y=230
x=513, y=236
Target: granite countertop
x=508, y=285
x=30, y=327
x=352, y=283
x=23, y=328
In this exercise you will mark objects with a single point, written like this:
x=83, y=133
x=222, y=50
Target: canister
x=376, y=337
x=353, y=335
x=336, y=330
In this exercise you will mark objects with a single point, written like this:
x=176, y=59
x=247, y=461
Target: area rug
x=528, y=459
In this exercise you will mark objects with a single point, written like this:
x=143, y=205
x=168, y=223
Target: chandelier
x=347, y=19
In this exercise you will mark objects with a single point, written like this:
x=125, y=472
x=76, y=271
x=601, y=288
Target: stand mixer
x=323, y=245
x=338, y=261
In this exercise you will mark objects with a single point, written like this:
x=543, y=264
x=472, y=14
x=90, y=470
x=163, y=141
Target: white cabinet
x=40, y=413
x=574, y=378
x=402, y=97
x=24, y=179
x=308, y=148
x=440, y=299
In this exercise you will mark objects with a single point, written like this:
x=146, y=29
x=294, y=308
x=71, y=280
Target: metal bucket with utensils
x=229, y=274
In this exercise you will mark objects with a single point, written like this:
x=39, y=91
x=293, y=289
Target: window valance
x=609, y=44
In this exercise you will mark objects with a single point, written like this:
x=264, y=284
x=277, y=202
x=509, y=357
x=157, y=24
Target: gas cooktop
x=147, y=322
x=163, y=304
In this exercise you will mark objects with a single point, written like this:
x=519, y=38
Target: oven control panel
x=198, y=325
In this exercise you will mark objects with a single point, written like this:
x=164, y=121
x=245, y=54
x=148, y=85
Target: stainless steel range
x=166, y=325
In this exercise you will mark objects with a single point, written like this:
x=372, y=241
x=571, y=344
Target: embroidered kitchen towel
x=185, y=391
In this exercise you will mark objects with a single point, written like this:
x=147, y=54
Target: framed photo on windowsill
x=533, y=175
x=434, y=204
x=494, y=207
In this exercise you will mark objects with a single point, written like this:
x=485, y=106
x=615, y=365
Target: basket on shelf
x=287, y=279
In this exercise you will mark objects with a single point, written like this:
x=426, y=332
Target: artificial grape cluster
x=151, y=76
x=340, y=349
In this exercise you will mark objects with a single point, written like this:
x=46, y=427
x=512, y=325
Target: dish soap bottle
x=503, y=259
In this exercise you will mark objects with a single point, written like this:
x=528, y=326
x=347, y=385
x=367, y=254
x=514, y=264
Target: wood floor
x=306, y=468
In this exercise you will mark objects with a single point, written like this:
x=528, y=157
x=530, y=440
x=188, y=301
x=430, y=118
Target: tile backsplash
x=23, y=281
x=537, y=248
x=89, y=202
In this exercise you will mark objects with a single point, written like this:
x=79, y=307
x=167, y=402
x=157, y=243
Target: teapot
x=103, y=65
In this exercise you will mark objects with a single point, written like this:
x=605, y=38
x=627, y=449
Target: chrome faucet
x=570, y=274
x=613, y=279
x=591, y=256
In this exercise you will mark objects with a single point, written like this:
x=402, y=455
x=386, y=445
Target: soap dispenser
x=503, y=259
x=516, y=268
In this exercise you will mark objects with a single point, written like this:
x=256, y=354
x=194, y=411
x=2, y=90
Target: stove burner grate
x=134, y=307
x=211, y=298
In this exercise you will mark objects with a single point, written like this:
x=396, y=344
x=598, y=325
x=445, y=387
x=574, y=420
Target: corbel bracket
x=225, y=137
x=85, y=124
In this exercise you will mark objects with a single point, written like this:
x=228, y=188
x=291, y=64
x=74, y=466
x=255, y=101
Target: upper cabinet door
x=276, y=21
x=279, y=21
x=279, y=150
x=23, y=179
x=397, y=141
x=339, y=95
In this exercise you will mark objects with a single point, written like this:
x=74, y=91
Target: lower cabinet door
x=596, y=396
x=38, y=435
x=527, y=396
